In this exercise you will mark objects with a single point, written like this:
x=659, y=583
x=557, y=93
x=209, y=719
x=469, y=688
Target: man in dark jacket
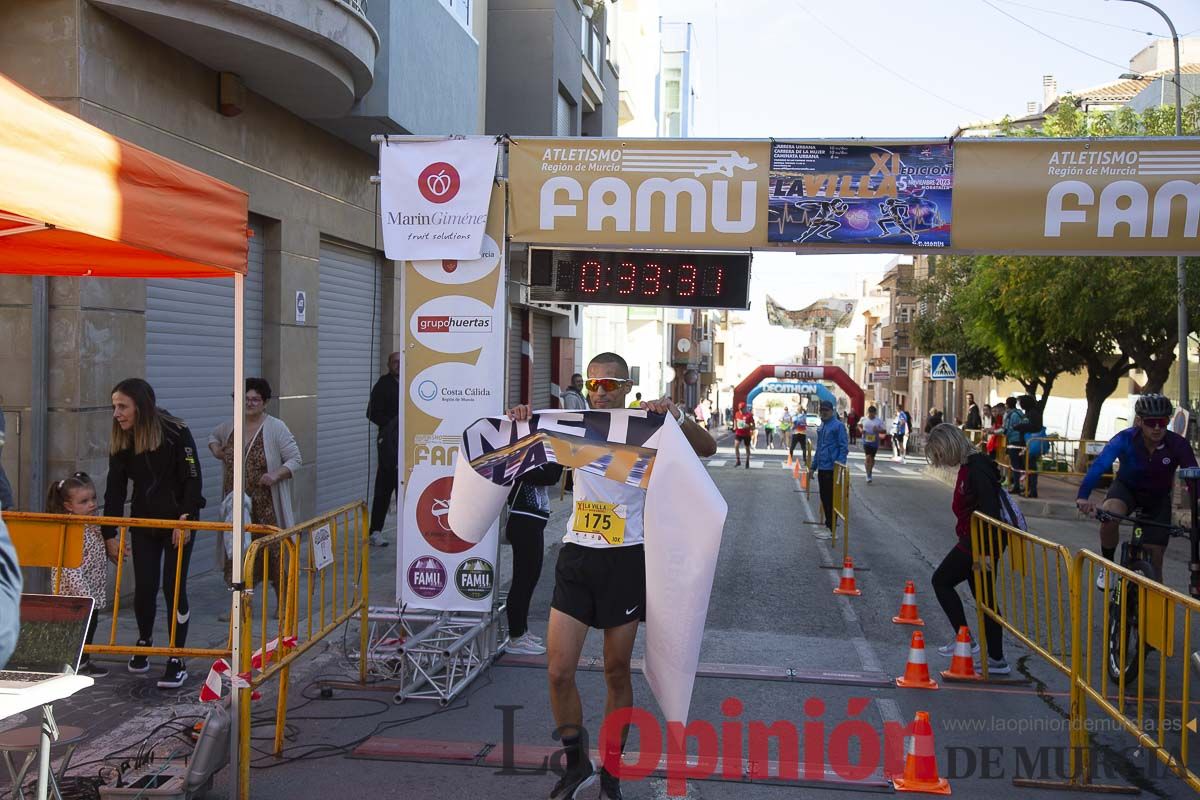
x=974, y=418
x=384, y=410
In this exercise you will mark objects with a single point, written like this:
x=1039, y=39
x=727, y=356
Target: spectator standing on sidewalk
x=155, y=452
x=977, y=488
x=271, y=459
x=1013, y=441
x=572, y=395
x=77, y=495
x=974, y=419
x=384, y=410
x=833, y=447
x=1033, y=434
x=528, y=511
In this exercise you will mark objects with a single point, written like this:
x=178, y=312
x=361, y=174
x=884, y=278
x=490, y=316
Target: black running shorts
x=601, y=587
x=1156, y=507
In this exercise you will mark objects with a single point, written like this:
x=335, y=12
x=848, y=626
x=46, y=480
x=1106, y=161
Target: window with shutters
x=564, y=116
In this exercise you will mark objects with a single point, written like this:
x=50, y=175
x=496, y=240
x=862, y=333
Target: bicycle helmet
x=1153, y=405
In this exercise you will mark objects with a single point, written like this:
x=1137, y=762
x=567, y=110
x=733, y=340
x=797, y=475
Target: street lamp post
x=1180, y=266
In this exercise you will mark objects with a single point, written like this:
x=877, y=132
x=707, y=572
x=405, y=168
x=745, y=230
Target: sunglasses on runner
x=1154, y=422
x=607, y=384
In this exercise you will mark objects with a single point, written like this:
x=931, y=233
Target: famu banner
x=434, y=196
x=681, y=193
x=1077, y=197
x=453, y=372
x=684, y=515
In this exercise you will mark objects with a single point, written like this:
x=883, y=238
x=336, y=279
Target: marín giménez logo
x=439, y=182
x=427, y=390
x=444, y=323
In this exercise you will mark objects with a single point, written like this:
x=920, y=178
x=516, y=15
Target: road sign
x=943, y=366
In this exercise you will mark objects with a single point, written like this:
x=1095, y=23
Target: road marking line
x=718, y=462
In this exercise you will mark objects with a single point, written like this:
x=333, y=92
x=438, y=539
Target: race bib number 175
x=599, y=518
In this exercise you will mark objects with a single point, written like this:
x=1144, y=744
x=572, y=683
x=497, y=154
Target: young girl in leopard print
x=77, y=495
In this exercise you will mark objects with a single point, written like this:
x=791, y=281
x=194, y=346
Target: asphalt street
x=780, y=642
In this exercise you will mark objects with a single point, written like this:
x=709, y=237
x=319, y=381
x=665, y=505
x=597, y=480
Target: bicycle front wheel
x=1125, y=593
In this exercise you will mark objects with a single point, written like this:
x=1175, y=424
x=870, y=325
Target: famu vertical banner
x=453, y=374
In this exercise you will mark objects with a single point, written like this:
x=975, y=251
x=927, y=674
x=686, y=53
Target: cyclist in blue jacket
x=1149, y=455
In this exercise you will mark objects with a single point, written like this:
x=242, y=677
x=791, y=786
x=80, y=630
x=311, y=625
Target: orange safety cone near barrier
x=908, y=607
x=788, y=463
x=847, y=586
x=962, y=666
x=916, y=672
x=920, y=760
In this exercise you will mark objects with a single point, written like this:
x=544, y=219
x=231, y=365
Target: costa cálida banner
x=681, y=193
x=434, y=196
x=683, y=516
x=1077, y=197
x=453, y=373
x=1021, y=195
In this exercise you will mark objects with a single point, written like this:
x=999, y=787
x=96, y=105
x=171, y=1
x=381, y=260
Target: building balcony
x=314, y=58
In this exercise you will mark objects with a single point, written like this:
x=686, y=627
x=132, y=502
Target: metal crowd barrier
x=1023, y=582
x=56, y=540
x=841, y=506
x=1062, y=458
x=322, y=567
x=1151, y=619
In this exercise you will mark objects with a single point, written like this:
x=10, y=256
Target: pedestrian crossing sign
x=944, y=366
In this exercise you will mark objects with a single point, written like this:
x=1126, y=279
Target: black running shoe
x=610, y=786
x=92, y=669
x=575, y=781
x=174, y=676
x=140, y=663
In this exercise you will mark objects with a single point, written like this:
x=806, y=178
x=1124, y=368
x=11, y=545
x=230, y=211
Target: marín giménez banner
x=683, y=517
x=434, y=196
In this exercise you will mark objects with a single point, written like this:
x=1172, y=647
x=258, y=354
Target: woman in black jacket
x=528, y=511
x=1031, y=429
x=157, y=454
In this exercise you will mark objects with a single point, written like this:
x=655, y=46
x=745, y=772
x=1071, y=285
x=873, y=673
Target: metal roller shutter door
x=540, y=336
x=189, y=352
x=514, y=357
x=347, y=367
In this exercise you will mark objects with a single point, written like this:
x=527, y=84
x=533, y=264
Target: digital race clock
x=639, y=278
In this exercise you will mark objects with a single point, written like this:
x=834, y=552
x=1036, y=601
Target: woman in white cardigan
x=272, y=457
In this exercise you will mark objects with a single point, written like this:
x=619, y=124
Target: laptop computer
x=53, y=631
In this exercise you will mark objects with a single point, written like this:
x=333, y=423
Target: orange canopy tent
x=76, y=201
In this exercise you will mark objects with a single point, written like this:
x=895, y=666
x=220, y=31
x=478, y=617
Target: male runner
x=1149, y=455
x=600, y=582
x=799, y=435
x=872, y=428
x=743, y=433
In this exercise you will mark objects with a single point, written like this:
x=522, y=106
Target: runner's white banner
x=684, y=515
x=434, y=196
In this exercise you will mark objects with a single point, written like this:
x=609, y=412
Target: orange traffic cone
x=847, y=586
x=916, y=671
x=920, y=760
x=962, y=666
x=788, y=463
x=908, y=607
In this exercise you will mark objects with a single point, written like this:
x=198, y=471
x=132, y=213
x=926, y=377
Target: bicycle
x=1136, y=558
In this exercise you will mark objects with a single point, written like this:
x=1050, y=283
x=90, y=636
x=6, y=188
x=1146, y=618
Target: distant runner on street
x=872, y=429
x=743, y=433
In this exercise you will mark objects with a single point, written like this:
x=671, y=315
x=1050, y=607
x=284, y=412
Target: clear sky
x=882, y=68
